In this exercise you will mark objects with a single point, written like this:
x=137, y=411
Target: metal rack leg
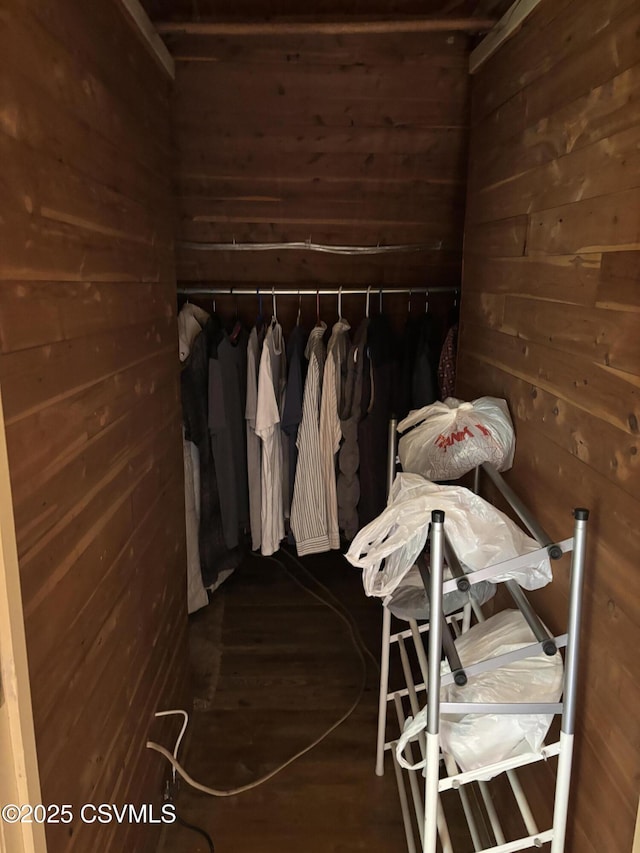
x=384, y=687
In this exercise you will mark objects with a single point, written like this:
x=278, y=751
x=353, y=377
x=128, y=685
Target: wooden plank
x=605, y=337
x=607, y=223
x=445, y=49
x=37, y=377
x=20, y=780
x=605, y=448
x=439, y=136
x=599, y=391
x=41, y=186
x=554, y=33
x=50, y=503
x=288, y=84
x=506, y=238
x=355, y=233
x=43, y=442
x=607, y=166
x=572, y=279
x=305, y=26
x=39, y=249
x=92, y=102
x=370, y=207
x=134, y=80
x=618, y=287
x=320, y=165
x=509, y=142
x=301, y=267
x=150, y=35
x=38, y=313
x=32, y=117
x=512, y=19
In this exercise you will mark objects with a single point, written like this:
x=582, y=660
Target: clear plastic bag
x=450, y=439
x=481, y=535
x=477, y=740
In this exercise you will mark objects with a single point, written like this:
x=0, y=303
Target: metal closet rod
x=309, y=246
x=323, y=291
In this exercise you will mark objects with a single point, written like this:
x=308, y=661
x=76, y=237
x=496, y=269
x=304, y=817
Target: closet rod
x=309, y=246
x=323, y=291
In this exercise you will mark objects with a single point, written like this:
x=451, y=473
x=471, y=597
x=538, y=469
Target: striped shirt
x=330, y=431
x=309, y=507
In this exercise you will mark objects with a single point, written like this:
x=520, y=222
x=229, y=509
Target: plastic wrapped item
x=481, y=535
x=477, y=740
x=451, y=438
x=410, y=600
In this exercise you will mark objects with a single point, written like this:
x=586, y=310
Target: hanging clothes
x=196, y=593
x=378, y=397
x=254, y=444
x=330, y=431
x=191, y=319
x=348, y=483
x=424, y=382
x=271, y=392
x=194, y=382
x=447, y=364
x=408, y=352
x=292, y=414
x=309, y=506
x=232, y=357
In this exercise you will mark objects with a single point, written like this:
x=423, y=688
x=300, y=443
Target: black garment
x=424, y=380
x=232, y=356
x=194, y=384
x=409, y=348
x=292, y=412
x=378, y=396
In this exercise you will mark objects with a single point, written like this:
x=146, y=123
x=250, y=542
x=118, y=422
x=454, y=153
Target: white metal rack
x=422, y=810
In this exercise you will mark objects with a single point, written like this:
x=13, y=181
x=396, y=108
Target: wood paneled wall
x=341, y=140
x=89, y=376
x=550, y=320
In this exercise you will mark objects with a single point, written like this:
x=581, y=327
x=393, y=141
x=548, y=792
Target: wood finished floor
x=273, y=668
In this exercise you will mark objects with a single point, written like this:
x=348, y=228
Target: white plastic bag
x=451, y=438
x=475, y=740
x=481, y=535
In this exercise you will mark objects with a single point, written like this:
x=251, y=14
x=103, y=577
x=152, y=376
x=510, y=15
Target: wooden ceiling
x=203, y=10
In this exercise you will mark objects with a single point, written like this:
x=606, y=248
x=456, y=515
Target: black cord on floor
x=197, y=829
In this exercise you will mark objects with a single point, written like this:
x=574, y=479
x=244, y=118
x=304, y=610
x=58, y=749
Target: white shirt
x=271, y=388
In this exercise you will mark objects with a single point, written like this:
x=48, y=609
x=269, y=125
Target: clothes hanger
x=317, y=307
x=426, y=302
x=340, y=303
x=259, y=318
x=299, y=308
x=274, y=312
x=409, y=303
x=237, y=327
x=366, y=310
x=380, y=301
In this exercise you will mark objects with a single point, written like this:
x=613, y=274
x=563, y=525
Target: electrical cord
x=197, y=829
x=358, y=645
